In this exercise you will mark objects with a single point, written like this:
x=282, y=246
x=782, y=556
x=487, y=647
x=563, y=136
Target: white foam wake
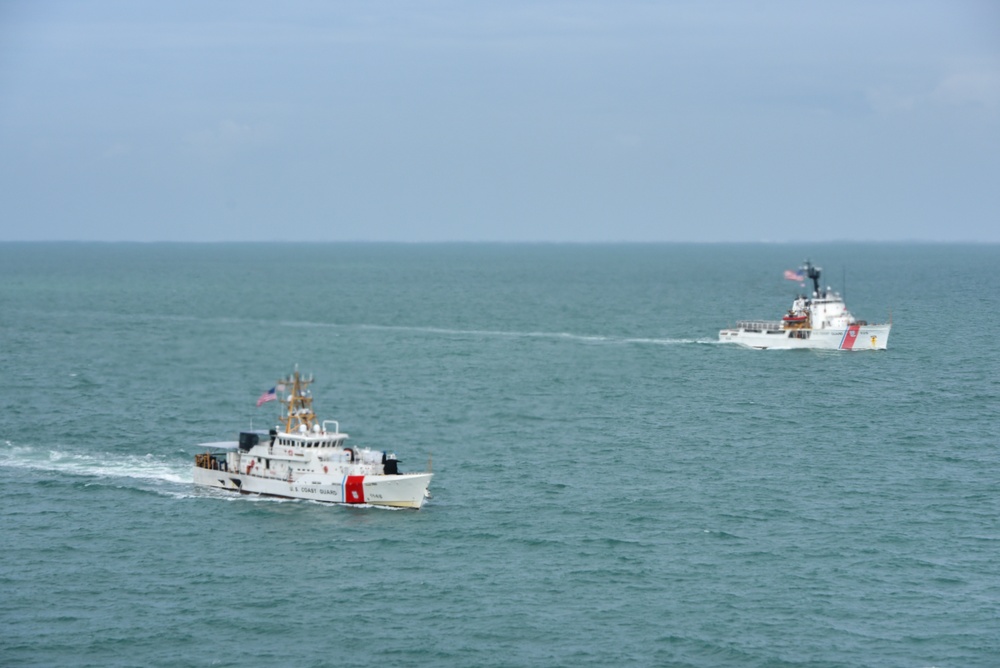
x=148, y=467
x=511, y=334
x=444, y=331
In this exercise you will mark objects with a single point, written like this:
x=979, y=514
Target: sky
x=536, y=121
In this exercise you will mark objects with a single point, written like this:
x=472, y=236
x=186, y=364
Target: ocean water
x=612, y=486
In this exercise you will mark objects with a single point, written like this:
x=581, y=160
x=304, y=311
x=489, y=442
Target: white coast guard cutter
x=307, y=459
x=820, y=321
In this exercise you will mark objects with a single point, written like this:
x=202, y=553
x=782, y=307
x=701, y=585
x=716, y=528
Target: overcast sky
x=518, y=120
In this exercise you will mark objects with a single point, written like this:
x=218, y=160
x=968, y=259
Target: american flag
x=266, y=397
x=794, y=275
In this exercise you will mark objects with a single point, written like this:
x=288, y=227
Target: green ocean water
x=612, y=486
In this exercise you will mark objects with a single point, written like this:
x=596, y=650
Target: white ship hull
x=406, y=490
x=852, y=337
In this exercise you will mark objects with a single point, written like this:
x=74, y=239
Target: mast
x=813, y=273
x=298, y=404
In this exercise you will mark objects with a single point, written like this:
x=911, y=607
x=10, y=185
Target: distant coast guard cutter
x=817, y=321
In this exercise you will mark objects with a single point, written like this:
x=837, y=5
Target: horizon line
x=515, y=242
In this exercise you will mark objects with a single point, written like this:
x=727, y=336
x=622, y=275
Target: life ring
x=326, y=470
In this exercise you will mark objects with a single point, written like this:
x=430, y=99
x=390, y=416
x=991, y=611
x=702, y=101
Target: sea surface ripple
x=611, y=484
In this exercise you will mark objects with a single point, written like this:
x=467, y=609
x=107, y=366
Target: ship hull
x=406, y=490
x=853, y=337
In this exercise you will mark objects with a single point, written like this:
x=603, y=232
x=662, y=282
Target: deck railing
x=760, y=325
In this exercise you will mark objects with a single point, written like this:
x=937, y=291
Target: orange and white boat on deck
x=820, y=321
x=304, y=458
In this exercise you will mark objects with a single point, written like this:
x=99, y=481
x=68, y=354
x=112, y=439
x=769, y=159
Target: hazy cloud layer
x=412, y=121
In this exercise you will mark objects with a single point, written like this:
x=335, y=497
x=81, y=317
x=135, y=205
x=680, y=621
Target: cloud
x=976, y=89
x=116, y=150
x=970, y=89
x=227, y=137
x=885, y=100
x=628, y=140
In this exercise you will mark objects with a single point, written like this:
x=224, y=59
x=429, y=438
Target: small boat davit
x=304, y=458
x=819, y=321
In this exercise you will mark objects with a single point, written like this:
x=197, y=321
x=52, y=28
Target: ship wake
x=151, y=470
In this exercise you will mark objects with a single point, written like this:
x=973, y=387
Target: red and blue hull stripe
x=354, y=489
x=850, y=337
